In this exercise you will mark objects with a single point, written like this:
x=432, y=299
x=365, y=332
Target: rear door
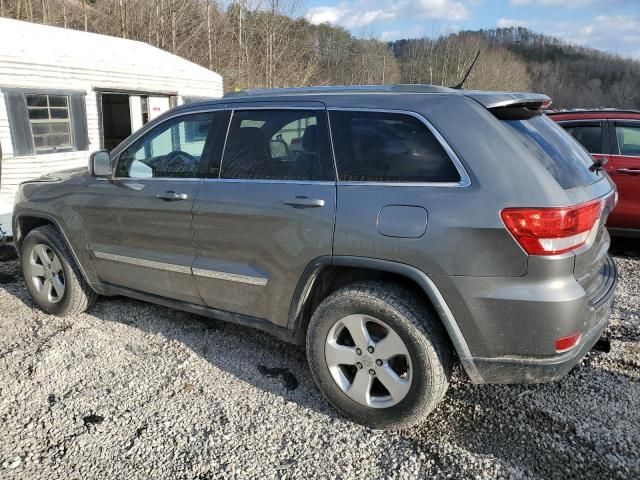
x=138, y=224
x=625, y=172
x=268, y=212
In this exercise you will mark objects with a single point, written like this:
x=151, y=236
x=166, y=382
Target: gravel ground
x=131, y=390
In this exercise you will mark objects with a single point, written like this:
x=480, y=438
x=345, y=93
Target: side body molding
x=306, y=284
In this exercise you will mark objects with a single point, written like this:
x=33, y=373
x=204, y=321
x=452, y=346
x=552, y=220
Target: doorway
x=116, y=119
x=122, y=113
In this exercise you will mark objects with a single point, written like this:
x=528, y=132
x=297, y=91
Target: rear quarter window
x=563, y=157
x=388, y=147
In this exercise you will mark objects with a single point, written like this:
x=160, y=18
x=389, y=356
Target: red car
x=614, y=135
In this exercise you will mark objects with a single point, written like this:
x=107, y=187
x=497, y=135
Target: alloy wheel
x=46, y=273
x=368, y=361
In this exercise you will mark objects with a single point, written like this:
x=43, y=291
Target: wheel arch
x=25, y=222
x=326, y=274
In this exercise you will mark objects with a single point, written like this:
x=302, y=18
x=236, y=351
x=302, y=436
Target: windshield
x=565, y=159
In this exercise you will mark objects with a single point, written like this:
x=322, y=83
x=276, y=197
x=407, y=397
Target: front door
x=269, y=213
x=625, y=172
x=138, y=224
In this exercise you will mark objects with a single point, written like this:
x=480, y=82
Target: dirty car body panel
x=250, y=250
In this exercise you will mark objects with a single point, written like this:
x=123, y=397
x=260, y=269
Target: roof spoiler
x=493, y=100
x=512, y=106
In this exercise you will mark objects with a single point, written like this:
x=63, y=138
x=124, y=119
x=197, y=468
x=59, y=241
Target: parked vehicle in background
x=615, y=136
x=394, y=230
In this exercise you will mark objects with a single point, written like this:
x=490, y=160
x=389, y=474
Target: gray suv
x=396, y=231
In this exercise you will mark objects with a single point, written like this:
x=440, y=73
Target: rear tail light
x=551, y=231
x=567, y=343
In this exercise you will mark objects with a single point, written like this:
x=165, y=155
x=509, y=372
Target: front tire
x=378, y=355
x=51, y=274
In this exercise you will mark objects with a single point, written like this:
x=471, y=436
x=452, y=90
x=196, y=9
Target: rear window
x=565, y=159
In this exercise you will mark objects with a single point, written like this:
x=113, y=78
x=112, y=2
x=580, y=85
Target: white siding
x=42, y=57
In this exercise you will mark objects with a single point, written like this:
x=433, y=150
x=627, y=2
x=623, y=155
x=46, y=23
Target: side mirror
x=100, y=164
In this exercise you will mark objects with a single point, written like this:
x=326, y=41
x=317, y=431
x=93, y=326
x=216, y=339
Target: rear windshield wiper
x=598, y=164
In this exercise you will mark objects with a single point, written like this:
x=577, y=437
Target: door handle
x=172, y=196
x=305, y=202
x=629, y=171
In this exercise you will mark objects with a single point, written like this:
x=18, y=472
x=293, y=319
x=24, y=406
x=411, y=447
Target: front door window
x=174, y=149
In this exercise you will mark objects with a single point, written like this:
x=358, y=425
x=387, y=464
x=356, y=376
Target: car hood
x=60, y=176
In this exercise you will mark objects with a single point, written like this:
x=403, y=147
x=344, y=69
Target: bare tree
x=209, y=42
x=84, y=12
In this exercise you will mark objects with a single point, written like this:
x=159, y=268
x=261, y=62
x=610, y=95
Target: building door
x=116, y=119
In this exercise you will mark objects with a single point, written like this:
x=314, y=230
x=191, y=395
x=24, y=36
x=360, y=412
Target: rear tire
x=405, y=372
x=51, y=274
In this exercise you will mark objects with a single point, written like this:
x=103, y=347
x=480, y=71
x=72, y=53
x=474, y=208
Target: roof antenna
x=460, y=86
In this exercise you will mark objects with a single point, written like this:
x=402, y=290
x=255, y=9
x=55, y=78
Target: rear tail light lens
x=567, y=343
x=551, y=231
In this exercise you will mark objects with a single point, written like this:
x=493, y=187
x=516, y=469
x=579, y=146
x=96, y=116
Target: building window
x=50, y=122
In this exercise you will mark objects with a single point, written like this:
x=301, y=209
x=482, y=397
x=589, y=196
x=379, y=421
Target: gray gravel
x=131, y=390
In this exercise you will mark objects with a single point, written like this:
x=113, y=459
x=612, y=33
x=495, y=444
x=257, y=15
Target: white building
x=65, y=93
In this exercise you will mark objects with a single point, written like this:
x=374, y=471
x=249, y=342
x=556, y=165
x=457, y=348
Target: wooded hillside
x=265, y=43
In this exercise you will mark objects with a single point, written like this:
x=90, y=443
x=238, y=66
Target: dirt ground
x=132, y=390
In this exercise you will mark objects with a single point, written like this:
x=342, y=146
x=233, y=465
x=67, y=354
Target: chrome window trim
x=464, y=181
x=584, y=120
x=145, y=179
x=258, y=180
x=184, y=269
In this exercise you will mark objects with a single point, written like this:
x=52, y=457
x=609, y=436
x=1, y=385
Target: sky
x=611, y=25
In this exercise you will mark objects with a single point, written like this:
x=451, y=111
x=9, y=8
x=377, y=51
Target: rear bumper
x=522, y=369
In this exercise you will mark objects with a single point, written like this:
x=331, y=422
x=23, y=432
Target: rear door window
x=278, y=145
x=628, y=140
x=388, y=147
x=554, y=148
x=589, y=136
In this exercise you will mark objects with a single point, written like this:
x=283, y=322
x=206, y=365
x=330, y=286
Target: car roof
x=601, y=114
x=330, y=94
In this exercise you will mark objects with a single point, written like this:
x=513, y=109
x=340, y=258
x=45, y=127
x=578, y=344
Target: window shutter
x=79, y=121
x=19, y=126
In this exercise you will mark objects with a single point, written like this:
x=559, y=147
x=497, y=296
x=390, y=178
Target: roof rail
x=401, y=88
x=594, y=110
